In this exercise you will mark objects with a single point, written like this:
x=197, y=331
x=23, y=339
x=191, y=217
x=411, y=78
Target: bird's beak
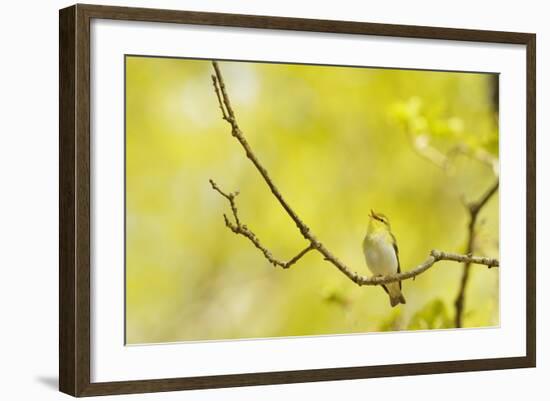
x=372, y=214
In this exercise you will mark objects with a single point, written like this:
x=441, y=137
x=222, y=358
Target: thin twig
x=224, y=114
x=314, y=244
x=243, y=230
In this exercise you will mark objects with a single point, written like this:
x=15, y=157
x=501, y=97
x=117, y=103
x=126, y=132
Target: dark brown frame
x=74, y=200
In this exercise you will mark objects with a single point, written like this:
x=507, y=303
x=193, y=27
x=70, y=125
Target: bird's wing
x=396, y=249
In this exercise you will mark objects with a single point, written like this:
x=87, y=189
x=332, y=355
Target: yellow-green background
x=337, y=142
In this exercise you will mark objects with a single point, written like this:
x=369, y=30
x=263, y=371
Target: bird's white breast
x=380, y=255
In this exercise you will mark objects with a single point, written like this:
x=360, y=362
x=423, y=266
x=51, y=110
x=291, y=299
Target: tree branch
x=473, y=208
x=314, y=244
x=243, y=230
x=435, y=255
x=421, y=145
x=219, y=86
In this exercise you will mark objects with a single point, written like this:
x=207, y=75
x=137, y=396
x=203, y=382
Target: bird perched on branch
x=382, y=254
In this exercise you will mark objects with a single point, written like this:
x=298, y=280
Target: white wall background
x=29, y=182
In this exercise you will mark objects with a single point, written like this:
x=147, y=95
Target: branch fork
x=237, y=227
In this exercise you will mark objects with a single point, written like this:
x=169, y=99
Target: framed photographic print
x=250, y=200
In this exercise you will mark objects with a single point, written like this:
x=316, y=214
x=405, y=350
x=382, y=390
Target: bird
x=382, y=254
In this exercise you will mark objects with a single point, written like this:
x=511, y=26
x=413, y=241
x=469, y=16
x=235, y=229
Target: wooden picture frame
x=74, y=200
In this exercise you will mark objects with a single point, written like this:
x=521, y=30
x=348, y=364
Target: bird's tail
x=396, y=296
x=394, y=301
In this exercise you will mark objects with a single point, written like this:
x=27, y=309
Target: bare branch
x=421, y=145
x=435, y=256
x=236, y=132
x=231, y=198
x=314, y=244
x=455, y=257
x=238, y=228
x=220, y=102
x=473, y=208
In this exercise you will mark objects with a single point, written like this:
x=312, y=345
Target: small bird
x=382, y=254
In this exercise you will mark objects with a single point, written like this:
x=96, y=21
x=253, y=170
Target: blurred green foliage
x=337, y=141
